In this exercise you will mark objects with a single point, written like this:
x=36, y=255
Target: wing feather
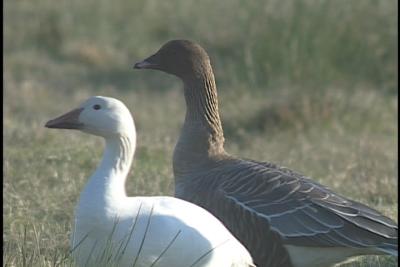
x=304, y=212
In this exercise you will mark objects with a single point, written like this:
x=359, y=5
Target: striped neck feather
x=202, y=140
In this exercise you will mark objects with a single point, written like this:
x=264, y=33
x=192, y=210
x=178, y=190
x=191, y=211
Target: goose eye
x=96, y=107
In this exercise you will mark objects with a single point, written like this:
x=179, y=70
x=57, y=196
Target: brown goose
x=282, y=217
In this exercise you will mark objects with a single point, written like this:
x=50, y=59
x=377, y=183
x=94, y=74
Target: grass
x=310, y=84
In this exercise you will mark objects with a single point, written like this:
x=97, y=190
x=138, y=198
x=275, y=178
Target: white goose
x=112, y=229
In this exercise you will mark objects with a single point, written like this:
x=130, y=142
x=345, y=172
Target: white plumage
x=112, y=229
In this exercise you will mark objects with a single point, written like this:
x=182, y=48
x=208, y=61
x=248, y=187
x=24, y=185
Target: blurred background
x=308, y=84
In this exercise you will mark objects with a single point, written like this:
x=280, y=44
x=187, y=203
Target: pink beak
x=69, y=120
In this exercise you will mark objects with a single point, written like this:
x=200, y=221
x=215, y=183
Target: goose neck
x=201, y=140
x=108, y=181
x=202, y=105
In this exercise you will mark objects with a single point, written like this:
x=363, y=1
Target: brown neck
x=201, y=142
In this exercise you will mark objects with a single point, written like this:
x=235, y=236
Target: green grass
x=310, y=84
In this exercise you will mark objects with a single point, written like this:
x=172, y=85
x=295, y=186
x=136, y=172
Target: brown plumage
x=278, y=214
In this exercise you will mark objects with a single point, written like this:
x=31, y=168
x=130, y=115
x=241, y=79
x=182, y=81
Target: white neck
x=107, y=185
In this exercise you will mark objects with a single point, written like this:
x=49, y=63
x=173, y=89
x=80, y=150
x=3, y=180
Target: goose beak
x=69, y=120
x=148, y=63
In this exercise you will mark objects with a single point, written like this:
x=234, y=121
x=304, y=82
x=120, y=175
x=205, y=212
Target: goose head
x=182, y=58
x=99, y=115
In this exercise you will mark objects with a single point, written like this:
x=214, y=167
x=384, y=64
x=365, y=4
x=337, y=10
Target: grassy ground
x=311, y=85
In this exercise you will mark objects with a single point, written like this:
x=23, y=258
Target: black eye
x=96, y=107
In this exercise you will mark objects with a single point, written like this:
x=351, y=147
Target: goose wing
x=303, y=212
